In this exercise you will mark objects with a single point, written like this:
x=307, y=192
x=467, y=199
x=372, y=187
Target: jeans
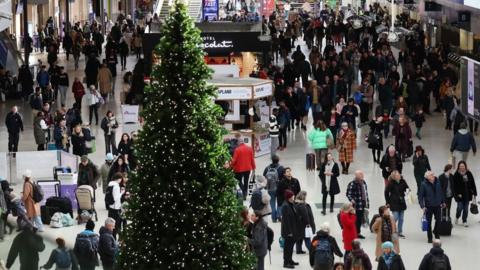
x=299, y=242
x=288, y=250
x=274, y=146
x=93, y=109
x=359, y=222
x=398, y=216
x=37, y=223
x=110, y=144
x=260, y=263
x=283, y=137
x=243, y=178
x=273, y=204
x=63, y=93
x=462, y=209
x=430, y=213
x=13, y=138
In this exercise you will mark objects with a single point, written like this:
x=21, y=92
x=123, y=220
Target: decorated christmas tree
x=183, y=213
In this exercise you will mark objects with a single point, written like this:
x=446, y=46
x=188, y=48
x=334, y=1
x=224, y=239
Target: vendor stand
x=246, y=102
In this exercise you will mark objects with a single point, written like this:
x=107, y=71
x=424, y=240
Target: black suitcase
x=310, y=160
x=47, y=212
x=444, y=226
x=64, y=204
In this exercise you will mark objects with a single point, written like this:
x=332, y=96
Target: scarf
x=328, y=168
x=388, y=258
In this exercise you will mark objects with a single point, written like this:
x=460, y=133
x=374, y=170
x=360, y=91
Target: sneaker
x=323, y=212
x=361, y=236
x=290, y=266
x=456, y=221
x=401, y=235
x=465, y=224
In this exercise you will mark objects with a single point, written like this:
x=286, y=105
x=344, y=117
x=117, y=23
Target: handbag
x=281, y=241
x=474, y=208
x=308, y=232
x=424, y=223
x=91, y=146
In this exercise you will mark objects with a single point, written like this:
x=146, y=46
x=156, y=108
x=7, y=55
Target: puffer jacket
x=318, y=138
x=259, y=240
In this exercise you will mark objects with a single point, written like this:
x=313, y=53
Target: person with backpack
x=31, y=197
x=259, y=239
x=329, y=173
x=436, y=258
x=272, y=173
x=26, y=245
x=108, y=246
x=260, y=201
x=86, y=247
x=461, y=144
x=113, y=202
x=357, y=259
x=390, y=260
x=290, y=229
x=63, y=258
x=324, y=246
x=306, y=220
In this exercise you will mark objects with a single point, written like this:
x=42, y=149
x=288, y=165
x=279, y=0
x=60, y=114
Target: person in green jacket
x=319, y=139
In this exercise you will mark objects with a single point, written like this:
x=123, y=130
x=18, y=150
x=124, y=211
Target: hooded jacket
x=463, y=141
x=107, y=247
x=426, y=263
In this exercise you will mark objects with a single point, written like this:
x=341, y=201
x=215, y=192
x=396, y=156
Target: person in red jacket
x=78, y=92
x=243, y=163
x=349, y=231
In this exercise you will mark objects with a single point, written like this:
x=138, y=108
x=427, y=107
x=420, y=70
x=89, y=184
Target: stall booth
x=246, y=103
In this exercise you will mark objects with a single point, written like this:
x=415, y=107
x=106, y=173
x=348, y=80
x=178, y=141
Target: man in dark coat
x=91, y=70
x=289, y=229
x=435, y=253
x=14, y=124
x=108, y=246
x=25, y=78
x=26, y=245
x=88, y=173
x=287, y=182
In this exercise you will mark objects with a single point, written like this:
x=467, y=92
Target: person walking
x=63, y=84
x=39, y=131
x=395, y=198
x=390, y=259
x=91, y=70
x=32, y=207
x=93, y=102
x=464, y=191
x=79, y=138
x=385, y=228
x=329, y=173
x=115, y=208
x=390, y=162
x=62, y=257
x=243, y=162
x=260, y=200
x=14, y=124
x=436, y=256
x=107, y=245
x=273, y=173
x=78, y=92
x=123, y=49
x=274, y=129
x=289, y=229
x=105, y=170
x=319, y=139
x=324, y=247
x=26, y=245
x=462, y=142
x=259, y=240
x=348, y=221
x=420, y=165
x=375, y=138
x=357, y=259
x=109, y=125
x=357, y=194
x=446, y=180
x=283, y=119
x=307, y=221
x=346, y=144
x=104, y=80
x=86, y=247
x=403, y=137
x=431, y=199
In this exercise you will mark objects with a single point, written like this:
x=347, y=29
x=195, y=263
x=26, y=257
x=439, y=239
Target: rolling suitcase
x=64, y=204
x=310, y=162
x=47, y=213
x=444, y=226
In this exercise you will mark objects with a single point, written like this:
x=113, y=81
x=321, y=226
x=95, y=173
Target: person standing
x=375, y=138
x=107, y=245
x=39, y=131
x=273, y=173
x=104, y=80
x=357, y=194
x=390, y=259
x=324, y=242
x=273, y=131
x=283, y=120
x=62, y=257
x=112, y=61
x=403, y=136
x=446, y=180
x=289, y=229
x=88, y=173
x=259, y=240
x=109, y=125
x=319, y=138
x=357, y=259
x=32, y=207
x=431, y=199
x=329, y=173
x=115, y=209
x=78, y=92
x=462, y=142
x=306, y=220
x=436, y=255
x=63, y=84
x=420, y=165
x=346, y=144
x=26, y=245
x=386, y=230
x=287, y=182
x=91, y=70
x=86, y=247
x=93, y=102
x=348, y=219
x=79, y=138
x=390, y=162
x=395, y=198
x=14, y=124
x=104, y=171
x=123, y=48
x=243, y=162
x=464, y=191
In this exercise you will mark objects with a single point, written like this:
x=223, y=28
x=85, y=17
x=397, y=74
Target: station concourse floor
x=462, y=247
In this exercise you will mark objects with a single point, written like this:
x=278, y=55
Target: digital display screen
x=470, y=87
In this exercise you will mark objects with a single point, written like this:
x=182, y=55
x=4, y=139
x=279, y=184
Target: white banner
x=130, y=113
x=262, y=144
x=230, y=93
x=263, y=90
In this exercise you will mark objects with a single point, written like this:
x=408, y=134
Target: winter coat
x=79, y=142
x=33, y=208
x=397, y=263
x=318, y=138
x=321, y=236
x=346, y=144
x=292, y=184
x=403, y=137
x=385, y=163
x=291, y=222
x=377, y=228
x=14, y=122
x=431, y=195
x=104, y=171
x=350, y=119
x=104, y=79
x=354, y=194
x=358, y=253
x=259, y=240
x=305, y=214
x=91, y=71
x=464, y=190
x=331, y=188
x=106, y=128
x=88, y=175
x=267, y=209
x=53, y=260
x=395, y=195
x=420, y=165
x=427, y=259
x=349, y=231
x=107, y=247
x=39, y=129
x=78, y=89
x=463, y=141
x=444, y=182
x=376, y=129
x=26, y=245
x=243, y=159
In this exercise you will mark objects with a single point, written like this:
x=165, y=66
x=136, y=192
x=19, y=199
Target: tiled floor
x=462, y=247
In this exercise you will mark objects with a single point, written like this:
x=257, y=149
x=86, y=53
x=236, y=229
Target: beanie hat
x=387, y=244
x=288, y=194
x=84, y=158
x=109, y=157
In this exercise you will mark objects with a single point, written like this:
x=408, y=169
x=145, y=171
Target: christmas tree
x=183, y=213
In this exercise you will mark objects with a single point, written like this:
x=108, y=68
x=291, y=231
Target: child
x=418, y=118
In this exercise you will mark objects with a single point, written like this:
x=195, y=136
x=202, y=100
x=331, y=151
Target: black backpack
x=37, y=193
x=85, y=249
x=109, y=197
x=256, y=200
x=439, y=262
x=270, y=237
x=323, y=253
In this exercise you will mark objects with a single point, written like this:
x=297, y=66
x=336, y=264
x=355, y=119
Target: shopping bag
x=91, y=146
x=424, y=223
x=474, y=208
x=281, y=241
x=308, y=232
x=366, y=221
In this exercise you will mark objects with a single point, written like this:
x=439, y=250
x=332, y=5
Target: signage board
x=210, y=10
x=263, y=90
x=223, y=43
x=130, y=113
x=262, y=144
x=234, y=92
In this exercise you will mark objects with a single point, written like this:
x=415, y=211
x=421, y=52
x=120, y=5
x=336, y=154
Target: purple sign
x=68, y=191
x=210, y=10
